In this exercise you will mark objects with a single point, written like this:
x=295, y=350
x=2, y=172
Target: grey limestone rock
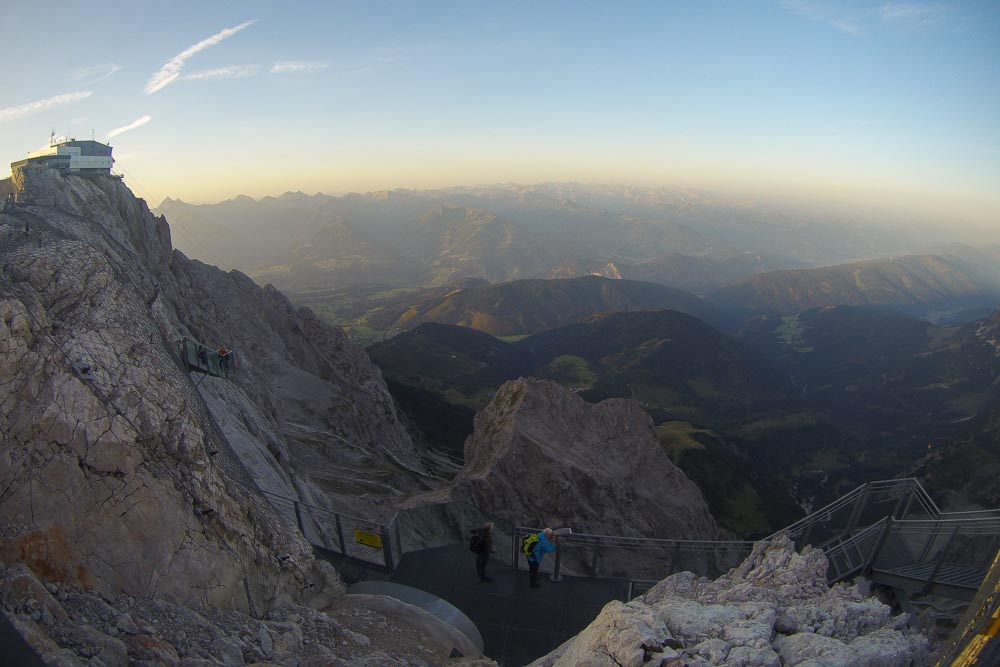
x=597, y=468
x=122, y=477
x=773, y=609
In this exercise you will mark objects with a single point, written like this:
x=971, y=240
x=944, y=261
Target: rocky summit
x=774, y=609
x=122, y=474
x=542, y=455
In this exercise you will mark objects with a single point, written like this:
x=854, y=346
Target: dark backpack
x=477, y=543
x=528, y=543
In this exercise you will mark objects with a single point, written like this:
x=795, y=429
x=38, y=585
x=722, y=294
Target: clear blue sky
x=847, y=99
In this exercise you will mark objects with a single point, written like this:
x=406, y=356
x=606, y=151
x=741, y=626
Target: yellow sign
x=991, y=630
x=368, y=539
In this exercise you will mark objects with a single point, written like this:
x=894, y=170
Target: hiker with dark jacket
x=545, y=545
x=482, y=545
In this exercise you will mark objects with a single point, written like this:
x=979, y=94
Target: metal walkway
x=889, y=530
x=518, y=623
x=912, y=546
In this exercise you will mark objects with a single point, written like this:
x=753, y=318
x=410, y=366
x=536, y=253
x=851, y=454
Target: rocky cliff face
x=774, y=609
x=543, y=456
x=114, y=472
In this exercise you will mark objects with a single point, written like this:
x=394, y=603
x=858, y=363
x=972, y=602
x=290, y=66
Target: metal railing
x=639, y=559
x=444, y=524
x=353, y=536
x=860, y=508
x=852, y=542
x=854, y=553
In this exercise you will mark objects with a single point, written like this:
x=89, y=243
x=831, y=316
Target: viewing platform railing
x=888, y=526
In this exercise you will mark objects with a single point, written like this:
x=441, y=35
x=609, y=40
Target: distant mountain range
x=932, y=286
x=327, y=250
x=528, y=306
x=919, y=284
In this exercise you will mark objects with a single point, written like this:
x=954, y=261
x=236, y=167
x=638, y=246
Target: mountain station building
x=72, y=157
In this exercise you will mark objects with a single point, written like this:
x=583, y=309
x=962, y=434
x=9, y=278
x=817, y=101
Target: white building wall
x=90, y=162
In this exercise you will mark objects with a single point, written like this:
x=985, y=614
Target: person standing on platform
x=482, y=545
x=546, y=544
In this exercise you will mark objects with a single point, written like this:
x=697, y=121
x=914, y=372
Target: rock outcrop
x=540, y=455
x=117, y=473
x=67, y=626
x=774, y=609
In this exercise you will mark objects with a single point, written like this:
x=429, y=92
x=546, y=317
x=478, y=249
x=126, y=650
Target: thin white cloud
x=91, y=74
x=859, y=22
x=911, y=14
x=171, y=70
x=131, y=126
x=827, y=13
x=286, y=66
x=231, y=72
x=38, y=106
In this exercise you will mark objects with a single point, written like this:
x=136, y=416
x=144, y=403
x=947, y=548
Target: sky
x=879, y=102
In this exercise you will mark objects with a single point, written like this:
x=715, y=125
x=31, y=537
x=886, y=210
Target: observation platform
x=518, y=623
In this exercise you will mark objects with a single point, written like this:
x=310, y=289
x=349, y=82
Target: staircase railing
x=860, y=508
x=854, y=553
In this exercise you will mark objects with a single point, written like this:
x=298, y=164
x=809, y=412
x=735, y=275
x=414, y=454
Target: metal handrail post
x=901, y=503
x=340, y=535
x=879, y=543
x=556, y=576
x=930, y=542
x=940, y=561
x=386, y=548
x=906, y=507
x=852, y=522
x=399, y=540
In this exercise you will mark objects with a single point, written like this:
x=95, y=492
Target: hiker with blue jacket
x=544, y=545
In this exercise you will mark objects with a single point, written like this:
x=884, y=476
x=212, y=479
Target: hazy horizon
x=878, y=105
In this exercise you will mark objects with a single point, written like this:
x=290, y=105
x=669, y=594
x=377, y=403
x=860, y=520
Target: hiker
x=482, y=545
x=224, y=359
x=203, y=356
x=544, y=545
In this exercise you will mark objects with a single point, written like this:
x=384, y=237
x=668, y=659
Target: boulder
x=540, y=455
